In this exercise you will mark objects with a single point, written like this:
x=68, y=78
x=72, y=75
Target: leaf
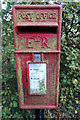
x=76, y=111
x=11, y=104
x=15, y=115
x=15, y=104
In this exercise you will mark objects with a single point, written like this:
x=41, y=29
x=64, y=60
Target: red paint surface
x=43, y=37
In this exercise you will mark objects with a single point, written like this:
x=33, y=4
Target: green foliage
x=69, y=76
x=69, y=72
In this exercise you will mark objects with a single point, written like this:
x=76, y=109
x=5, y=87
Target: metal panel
x=37, y=33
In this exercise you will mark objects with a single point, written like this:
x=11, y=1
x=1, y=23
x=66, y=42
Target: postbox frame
x=34, y=24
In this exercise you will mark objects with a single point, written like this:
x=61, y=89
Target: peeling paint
x=20, y=81
x=34, y=16
x=37, y=43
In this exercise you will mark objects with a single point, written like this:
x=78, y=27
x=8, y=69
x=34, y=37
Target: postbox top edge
x=37, y=6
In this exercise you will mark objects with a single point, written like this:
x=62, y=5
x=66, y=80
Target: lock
x=37, y=39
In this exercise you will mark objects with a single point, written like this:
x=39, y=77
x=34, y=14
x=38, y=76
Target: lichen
x=21, y=95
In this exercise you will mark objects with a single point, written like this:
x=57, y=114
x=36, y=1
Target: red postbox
x=37, y=35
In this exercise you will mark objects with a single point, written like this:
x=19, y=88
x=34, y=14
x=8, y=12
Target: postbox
x=37, y=36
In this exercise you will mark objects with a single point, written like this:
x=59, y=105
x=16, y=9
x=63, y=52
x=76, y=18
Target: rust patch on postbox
x=37, y=35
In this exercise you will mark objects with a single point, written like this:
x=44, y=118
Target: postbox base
x=38, y=107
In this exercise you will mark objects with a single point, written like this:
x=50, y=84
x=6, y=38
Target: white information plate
x=37, y=76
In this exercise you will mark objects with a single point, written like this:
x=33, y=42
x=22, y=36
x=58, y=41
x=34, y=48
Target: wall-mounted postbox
x=37, y=35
